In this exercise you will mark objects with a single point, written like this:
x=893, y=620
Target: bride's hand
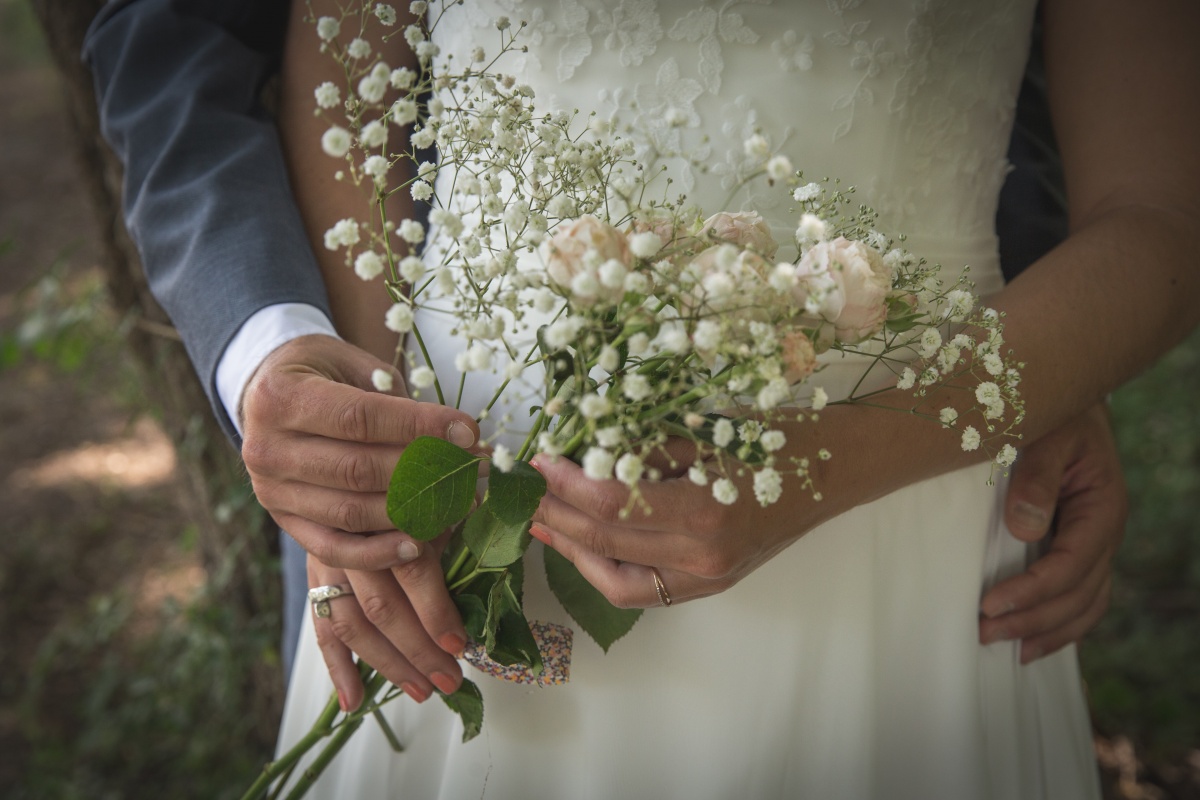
x=698, y=546
x=386, y=623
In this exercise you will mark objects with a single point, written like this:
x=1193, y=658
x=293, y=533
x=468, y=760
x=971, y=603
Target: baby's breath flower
x=328, y=28
x=993, y=364
x=723, y=432
x=372, y=88
x=772, y=395
x=382, y=380
x=961, y=303
x=593, y=406
x=948, y=415
x=768, y=486
x=598, y=463
x=645, y=244
x=404, y=112
x=427, y=50
x=608, y=359
x=358, y=48
x=636, y=388
x=422, y=377
x=327, y=95
x=907, y=380
x=411, y=231
x=412, y=269
x=811, y=229
x=931, y=340
x=779, y=168
x=610, y=437
x=402, y=78
x=773, y=440
x=502, y=458
x=421, y=191
x=970, y=438
x=629, y=469
x=698, y=475
x=344, y=233
x=725, y=491
x=377, y=167
x=368, y=265
x=336, y=141
x=809, y=191
x=757, y=147
x=418, y=7
x=373, y=134
x=399, y=318
x=1006, y=456
x=707, y=336
x=386, y=15
x=819, y=399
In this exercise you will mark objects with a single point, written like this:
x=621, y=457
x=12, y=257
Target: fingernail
x=407, y=551
x=453, y=644
x=539, y=533
x=1029, y=516
x=342, y=701
x=993, y=608
x=417, y=694
x=445, y=684
x=460, y=435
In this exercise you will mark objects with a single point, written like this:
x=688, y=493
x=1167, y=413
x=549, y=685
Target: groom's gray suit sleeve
x=206, y=194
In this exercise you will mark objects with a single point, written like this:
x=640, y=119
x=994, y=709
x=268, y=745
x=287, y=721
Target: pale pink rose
x=744, y=229
x=845, y=283
x=799, y=356
x=580, y=248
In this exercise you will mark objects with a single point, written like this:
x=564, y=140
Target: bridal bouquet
x=620, y=316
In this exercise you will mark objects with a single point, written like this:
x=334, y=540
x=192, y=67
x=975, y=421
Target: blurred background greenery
x=122, y=672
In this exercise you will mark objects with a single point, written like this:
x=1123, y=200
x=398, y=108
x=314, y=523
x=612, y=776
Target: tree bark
x=237, y=540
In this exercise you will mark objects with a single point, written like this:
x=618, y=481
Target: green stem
x=437, y=385
x=458, y=564
x=284, y=763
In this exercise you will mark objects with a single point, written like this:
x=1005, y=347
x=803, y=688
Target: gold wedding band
x=320, y=596
x=660, y=588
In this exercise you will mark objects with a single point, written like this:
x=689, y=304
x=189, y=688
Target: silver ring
x=320, y=596
x=660, y=588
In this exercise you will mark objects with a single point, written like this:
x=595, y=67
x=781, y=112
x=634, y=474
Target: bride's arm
x=1124, y=288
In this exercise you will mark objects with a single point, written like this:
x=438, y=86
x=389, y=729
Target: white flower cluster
x=654, y=316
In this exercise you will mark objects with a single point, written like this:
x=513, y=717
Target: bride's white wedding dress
x=849, y=665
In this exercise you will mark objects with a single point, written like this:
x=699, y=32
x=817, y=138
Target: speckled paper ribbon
x=554, y=643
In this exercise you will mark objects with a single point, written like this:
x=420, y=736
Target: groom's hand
x=320, y=443
x=1075, y=472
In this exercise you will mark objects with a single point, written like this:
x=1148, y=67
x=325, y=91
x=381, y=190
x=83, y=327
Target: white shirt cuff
x=258, y=337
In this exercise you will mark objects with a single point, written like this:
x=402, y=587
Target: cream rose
x=744, y=229
x=576, y=255
x=846, y=284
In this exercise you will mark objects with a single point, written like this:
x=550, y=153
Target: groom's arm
x=206, y=192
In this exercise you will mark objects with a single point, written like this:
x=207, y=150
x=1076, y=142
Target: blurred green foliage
x=1141, y=662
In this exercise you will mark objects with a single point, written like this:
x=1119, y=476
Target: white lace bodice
x=910, y=102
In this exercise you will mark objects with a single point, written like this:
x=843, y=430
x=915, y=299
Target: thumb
x=1034, y=487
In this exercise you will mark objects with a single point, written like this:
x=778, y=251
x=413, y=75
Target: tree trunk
x=237, y=539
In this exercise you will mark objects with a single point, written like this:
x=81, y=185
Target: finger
x=1052, y=641
x=608, y=541
x=424, y=583
x=339, y=660
x=672, y=458
x=1048, y=616
x=665, y=504
x=321, y=462
x=389, y=610
x=321, y=407
x=624, y=584
x=336, y=548
x=1033, y=490
x=354, y=512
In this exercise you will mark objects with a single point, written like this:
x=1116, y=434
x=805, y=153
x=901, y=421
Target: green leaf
x=495, y=543
x=599, y=619
x=467, y=702
x=473, y=609
x=432, y=487
x=515, y=495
